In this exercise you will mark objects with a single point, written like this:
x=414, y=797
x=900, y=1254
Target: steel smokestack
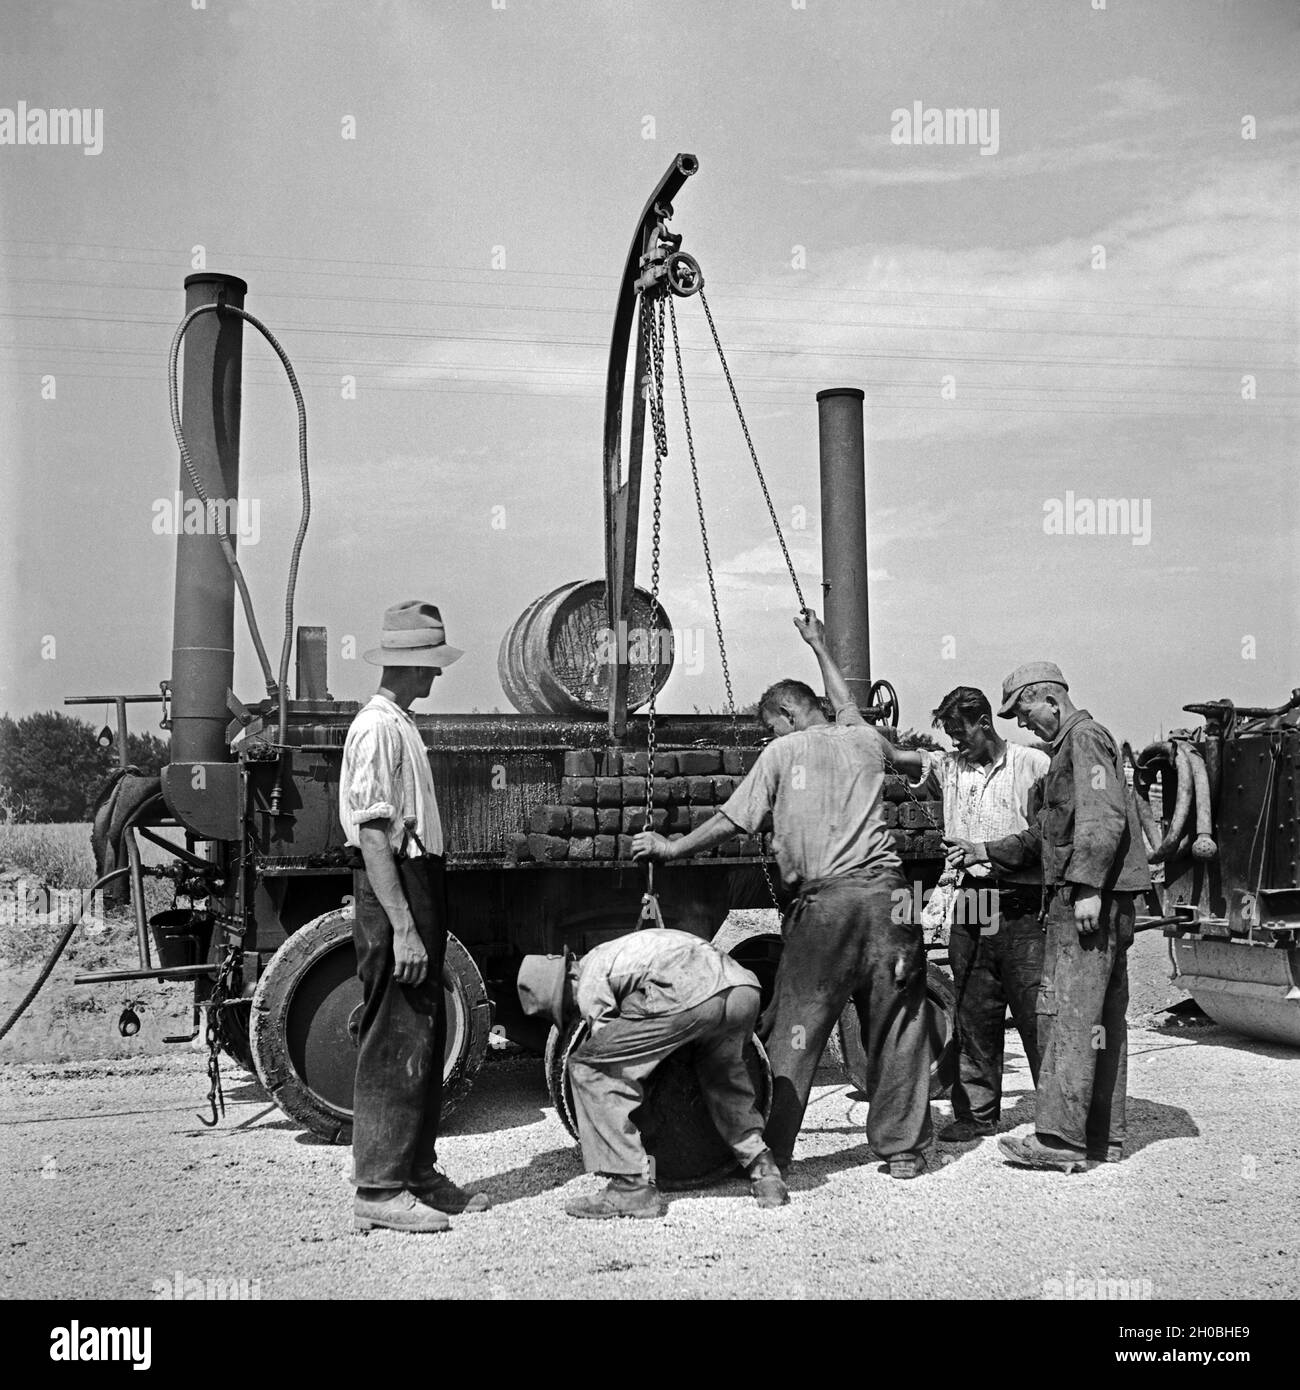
x=203, y=628
x=844, y=534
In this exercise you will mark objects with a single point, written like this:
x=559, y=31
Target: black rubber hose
x=61, y=946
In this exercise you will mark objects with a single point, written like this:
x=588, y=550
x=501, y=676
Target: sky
x=435, y=199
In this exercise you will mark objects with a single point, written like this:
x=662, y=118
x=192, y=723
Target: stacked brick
x=915, y=824
x=603, y=805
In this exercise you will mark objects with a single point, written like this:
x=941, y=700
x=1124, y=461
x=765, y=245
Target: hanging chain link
x=652, y=331
x=222, y=992
x=704, y=530
x=753, y=454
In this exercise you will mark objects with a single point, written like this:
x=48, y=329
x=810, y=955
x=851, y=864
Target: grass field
x=68, y=1020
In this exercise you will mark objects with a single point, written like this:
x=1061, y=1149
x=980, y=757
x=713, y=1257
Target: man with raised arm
x=848, y=934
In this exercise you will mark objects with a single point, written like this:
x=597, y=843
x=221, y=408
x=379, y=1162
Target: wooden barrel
x=558, y=656
x=675, y=1125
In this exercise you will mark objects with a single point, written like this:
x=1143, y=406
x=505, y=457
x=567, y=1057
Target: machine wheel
x=675, y=1125
x=758, y=949
x=235, y=1041
x=942, y=1002
x=301, y=1036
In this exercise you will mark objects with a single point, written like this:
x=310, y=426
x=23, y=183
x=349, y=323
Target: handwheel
x=887, y=710
x=685, y=277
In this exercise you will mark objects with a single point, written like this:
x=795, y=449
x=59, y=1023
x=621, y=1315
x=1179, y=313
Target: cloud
x=1134, y=97
x=767, y=559
x=956, y=166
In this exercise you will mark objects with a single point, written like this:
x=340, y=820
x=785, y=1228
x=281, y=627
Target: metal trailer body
x=265, y=935
x=1234, y=933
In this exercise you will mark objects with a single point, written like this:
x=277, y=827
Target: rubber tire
x=560, y=1047
x=846, y=1040
x=236, y=1043
x=758, y=949
x=468, y=1024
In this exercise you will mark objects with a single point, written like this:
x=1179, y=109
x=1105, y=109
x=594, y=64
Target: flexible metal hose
x=276, y=687
x=59, y=948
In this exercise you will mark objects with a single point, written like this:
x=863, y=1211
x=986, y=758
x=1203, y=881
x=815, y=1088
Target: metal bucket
x=180, y=936
x=675, y=1125
x=555, y=658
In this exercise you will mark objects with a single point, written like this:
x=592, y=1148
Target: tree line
x=52, y=765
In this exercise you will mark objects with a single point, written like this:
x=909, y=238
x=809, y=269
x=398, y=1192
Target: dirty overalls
x=842, y=942
x=995, y=964
x=648, y=994
x=400, y=1029
x=401, y=1033
x=1089, y=839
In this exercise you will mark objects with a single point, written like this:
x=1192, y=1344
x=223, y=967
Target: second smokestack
x=844, y=534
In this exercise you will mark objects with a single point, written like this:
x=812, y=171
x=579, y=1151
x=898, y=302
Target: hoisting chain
x=704, y=530
x=652, y=337
x=753, y=454
x=212, y=1036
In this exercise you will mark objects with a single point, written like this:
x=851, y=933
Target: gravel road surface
x=114, y=1187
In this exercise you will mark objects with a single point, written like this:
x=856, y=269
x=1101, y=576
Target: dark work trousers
x=402, y=1036
x=995, y=963
x=842, y=943
x=1082, y=1032
x=609, y=1069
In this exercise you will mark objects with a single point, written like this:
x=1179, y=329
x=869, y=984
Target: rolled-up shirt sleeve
x=848, y=713
x=374, y=793
x=747, y=806
x=934, y=767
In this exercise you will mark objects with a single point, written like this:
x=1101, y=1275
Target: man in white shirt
x=391, y=823
x=996, y=938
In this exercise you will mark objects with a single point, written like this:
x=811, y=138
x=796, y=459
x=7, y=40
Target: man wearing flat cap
x=645, y=995
x=394, y=833
x=1089, y=841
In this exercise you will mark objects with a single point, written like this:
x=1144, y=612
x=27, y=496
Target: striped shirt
x=986, y=802
x=386, y=776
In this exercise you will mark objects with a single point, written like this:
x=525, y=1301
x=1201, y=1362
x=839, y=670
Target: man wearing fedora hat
x=1089, y=841
x=390, y=819
x=646, y=995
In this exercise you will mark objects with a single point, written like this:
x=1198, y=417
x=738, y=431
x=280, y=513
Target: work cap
x=1031, y=673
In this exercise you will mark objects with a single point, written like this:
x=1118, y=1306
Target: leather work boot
x=963, y=1131
x=622, y=1197
x=396, y=1211
x=1031, y=1152
x=914, y=1165
x=437, y=1190
x=766, y=1183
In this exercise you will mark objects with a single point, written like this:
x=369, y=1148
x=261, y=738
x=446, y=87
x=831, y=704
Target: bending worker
x=849, y=934
x=645, y=995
